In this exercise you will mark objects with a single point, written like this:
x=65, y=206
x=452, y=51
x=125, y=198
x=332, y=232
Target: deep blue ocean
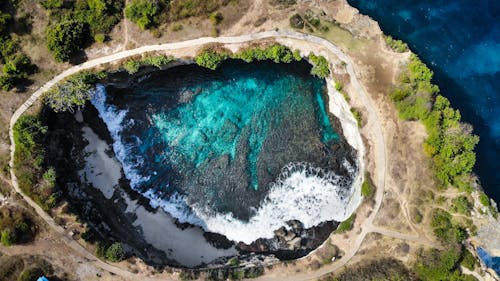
x=460, y=41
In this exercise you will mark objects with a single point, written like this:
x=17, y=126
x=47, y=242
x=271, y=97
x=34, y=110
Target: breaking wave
x=301, y=192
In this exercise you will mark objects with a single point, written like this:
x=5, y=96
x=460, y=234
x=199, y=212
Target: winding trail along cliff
x=373, y=126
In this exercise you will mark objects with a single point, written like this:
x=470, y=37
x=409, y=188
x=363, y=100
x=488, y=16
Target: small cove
x=239, y=152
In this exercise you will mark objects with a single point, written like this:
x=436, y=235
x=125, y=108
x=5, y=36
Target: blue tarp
x=43, y=278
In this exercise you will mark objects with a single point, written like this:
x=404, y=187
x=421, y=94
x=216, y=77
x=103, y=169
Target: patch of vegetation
x=216, y=18
x=444, y=229
x=16, y=66
x=468, y=260
x=312, y=19
x=66, y=38
x=346, y=225
x=234, y=261
x=74, y=24
x=145, y=13
x=320, y=67
x=461, y=205
x=437, y=265
x=212, y=57
x=483, y=198
x=15, y=226
x=283, y=4
x=380, y=269
x=29, y=137
x=416, y=215
x=26, y=268
x=132, y=66
x=113, y=252
x=396, y=45
x=357, y=115
x=296, y=21
x=450, y=143
x=367, y=188
x=73, y=93
x=276, y=53
x=180, y=9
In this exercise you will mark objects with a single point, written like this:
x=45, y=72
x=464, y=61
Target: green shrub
x=144, y=13
x=483, y=198
x=210, y=58
x=468, y=260
x=296, y=21
x=115, y=252
x=444, y=229
x=132, y=66
x=436, y=265
x=216, y=18
x=177, y=27
x=100, y=38
x=367, y=189
x=339, y=86
x=461, y=205
x=357, y=115
x=234, y=261
x=312, y=19
x=29, y=137
x=66, y=38
x=72, y=93
x=7, y=237
x=396, y=45
x=320, y=67
x=276, y=53
x=346, y=225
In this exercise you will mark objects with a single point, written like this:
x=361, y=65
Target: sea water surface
x=239, y=151
x=460, y=41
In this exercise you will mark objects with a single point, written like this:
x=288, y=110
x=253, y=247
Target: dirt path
x=374, y=128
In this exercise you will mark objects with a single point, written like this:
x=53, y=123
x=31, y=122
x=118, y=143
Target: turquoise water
x=222, y=138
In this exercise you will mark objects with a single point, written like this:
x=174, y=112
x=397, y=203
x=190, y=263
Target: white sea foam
x=302, y=192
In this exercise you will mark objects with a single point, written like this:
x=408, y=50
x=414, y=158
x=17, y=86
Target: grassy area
x=132, y=66
x=346, y=225
x=357, y=115
x=36, y=180
x=72, y=93
x=396, y=45
x=367, y=188
x=450, y=143
x=15, y=226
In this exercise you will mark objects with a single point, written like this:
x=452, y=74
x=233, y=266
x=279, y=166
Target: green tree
x=320, y=67
x=211, y=58
x=66, y=38
x=115, y=252
x=143, y=12
x=73, y=93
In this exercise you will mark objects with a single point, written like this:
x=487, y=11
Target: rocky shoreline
x=108, y=218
